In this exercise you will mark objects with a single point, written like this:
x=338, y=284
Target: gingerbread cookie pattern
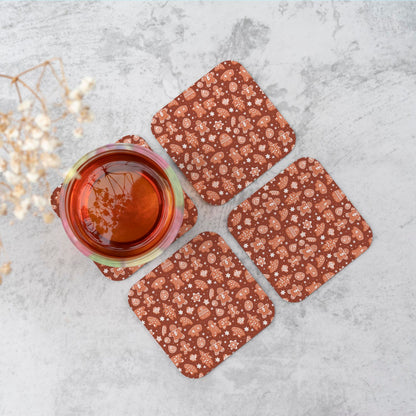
x=223, y=132
x=201, y=305
x=300, y=229
x=190, y=217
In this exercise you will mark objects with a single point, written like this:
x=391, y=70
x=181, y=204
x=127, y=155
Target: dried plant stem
x=15, y=80
x=28, y=139
x=44, y=65
x=6, y=185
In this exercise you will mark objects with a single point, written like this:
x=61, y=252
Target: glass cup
x=121, y=205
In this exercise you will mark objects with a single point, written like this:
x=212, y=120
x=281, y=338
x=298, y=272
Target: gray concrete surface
x=343, y=75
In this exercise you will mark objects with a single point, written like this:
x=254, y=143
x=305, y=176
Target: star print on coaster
x=190, y=217
x=201, y=305
x=300, y=229
x=223, y=132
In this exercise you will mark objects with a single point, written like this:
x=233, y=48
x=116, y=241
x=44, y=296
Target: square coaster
x=201, y=305
x=300, y=229
x=223, y=132
x=190, y=217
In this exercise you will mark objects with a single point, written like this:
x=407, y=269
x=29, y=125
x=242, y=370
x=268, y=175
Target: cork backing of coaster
x=201, y=305
x=300, y=229
x=223, y=132
x=190, y=217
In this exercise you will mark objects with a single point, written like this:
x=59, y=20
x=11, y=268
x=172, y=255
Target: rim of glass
x=170, y=234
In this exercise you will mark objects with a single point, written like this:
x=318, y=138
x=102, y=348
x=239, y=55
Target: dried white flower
x=3, y=165
x=78, y=133
x=18, y=191
x=33, y=175
x=21, y=209
x=11, y=133
x=28, y=139
x=4, y=122
x=3, y=209
x=74, y=106
x=5, y=269
x=12, y=178
x=85, y=115
x=75, y=94
x=30, y=144
x=49, y=144
x=37, y=133
x=48, y=217
x=87, y=84
x=24, y=106
x=14, y=162
x=39, y=202
x=43, y=122
x=49, y=160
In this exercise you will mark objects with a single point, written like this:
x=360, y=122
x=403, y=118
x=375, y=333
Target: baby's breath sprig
x=28, y=137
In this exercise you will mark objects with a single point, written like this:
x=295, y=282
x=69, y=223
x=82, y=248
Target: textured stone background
x=343, y=75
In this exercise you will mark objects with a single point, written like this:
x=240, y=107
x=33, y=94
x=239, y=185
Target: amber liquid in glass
x=120, y=206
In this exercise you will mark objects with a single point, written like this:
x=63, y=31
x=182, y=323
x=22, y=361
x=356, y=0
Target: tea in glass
x=121, y=205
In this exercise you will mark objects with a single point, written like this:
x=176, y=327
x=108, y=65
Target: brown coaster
x=300, y=229
x=190, y=217
x=201, y=305
x=223, y=132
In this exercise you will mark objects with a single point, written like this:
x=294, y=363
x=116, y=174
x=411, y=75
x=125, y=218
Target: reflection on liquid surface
x=123, y=204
